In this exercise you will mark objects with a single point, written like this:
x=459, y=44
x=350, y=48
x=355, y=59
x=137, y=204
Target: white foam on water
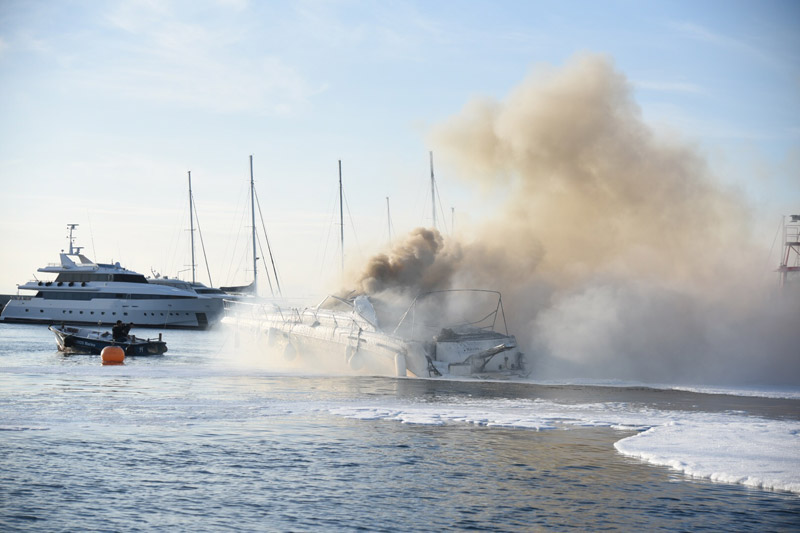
x=724, y=447
x=755, y=452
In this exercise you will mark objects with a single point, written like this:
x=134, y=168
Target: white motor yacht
x=85, y=292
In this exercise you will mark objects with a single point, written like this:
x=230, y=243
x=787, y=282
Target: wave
x=749, y=392
x=727, y=447
x=777, y=393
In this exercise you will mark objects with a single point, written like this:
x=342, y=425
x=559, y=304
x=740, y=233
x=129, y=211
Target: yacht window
x=83, y=295
x=130, y=278
x=82, y=277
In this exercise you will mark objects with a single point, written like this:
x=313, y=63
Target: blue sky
x=105, y=106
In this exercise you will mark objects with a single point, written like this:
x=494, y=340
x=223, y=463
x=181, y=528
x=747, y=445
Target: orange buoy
x=112, y=355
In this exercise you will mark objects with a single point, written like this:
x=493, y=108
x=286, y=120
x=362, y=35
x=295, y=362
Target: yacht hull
x=85, y=292
x=192, y=314
x=351, y=341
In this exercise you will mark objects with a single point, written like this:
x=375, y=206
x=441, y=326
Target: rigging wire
x=772, y=247
x=266, y=270
x=202, y=243
x=328, y=236
x=171, y=258
x=389, y=226
x=352, y=224
x=332, y=224
x=425, y=204
x=238, y=266
x=269, y=249
x=234, y=229
x=91, y=236
x=444, y=219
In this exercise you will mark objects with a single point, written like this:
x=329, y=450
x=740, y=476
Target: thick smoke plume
x=618, y=252
x=419, y=263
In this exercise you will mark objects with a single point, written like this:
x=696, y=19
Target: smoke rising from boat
x=618, y=252
x=419, y=262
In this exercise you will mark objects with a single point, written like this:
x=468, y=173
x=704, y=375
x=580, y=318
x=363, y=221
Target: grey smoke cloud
x=618, y=252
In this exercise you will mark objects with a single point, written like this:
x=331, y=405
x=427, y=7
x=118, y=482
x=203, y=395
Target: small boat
x=72, y=339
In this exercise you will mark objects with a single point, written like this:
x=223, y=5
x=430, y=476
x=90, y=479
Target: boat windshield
x=334, y=303
x=79, y=259
x=457, y=311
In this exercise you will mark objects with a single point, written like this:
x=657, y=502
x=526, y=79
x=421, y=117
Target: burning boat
x=433, y=337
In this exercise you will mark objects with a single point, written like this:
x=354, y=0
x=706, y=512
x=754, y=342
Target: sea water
x=205, y=439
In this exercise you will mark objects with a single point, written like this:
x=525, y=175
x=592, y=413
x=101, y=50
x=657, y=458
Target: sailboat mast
x=433, y=193
x=253, y=220
x=191, y=223
x=389, y=220
x=341, y=214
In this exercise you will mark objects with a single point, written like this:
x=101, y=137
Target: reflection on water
x=187, y=441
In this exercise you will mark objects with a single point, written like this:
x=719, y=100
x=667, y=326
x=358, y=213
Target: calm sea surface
x=203, y=439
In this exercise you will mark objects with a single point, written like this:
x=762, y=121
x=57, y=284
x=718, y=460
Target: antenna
x=73, y=249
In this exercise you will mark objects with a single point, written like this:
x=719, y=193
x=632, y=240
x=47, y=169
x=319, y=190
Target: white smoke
x=619, y=254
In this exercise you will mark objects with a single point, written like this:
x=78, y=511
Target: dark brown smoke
x=619, y=253
x=418, y=263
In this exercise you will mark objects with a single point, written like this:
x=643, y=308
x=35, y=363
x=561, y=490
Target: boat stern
x=467, y=355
